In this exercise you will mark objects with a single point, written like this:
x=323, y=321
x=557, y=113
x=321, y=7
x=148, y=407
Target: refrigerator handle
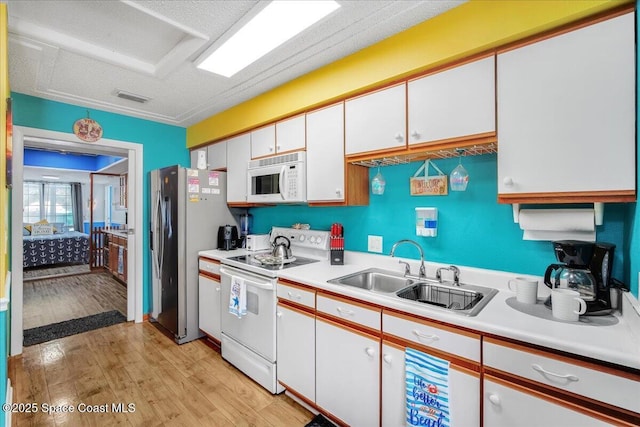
x=159, y=235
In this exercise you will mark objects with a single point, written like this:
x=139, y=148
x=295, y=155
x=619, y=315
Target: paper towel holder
x=598, y=208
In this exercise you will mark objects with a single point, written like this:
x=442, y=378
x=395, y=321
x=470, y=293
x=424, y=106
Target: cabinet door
x=454, y=103
x=217, y=155
x=290, y=134
x=464, y=391
x=209, y=306
x=296, y=338
x=325, y=154
x=238, y=155
x=566, y=112
x=515, y=407
x=263, y=142
x=376, y=121
x=348, y=374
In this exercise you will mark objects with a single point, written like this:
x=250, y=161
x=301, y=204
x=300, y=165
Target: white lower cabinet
x=209, y=306
x=464, y=391
x=347, y=373
x=508, y=405
x=296, y=355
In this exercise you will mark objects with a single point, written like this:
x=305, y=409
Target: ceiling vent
x=132, y=96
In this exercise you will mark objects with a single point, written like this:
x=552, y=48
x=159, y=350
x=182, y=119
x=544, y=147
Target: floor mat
x=320, y=421
x=71, y=327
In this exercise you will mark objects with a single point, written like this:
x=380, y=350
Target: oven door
x=255, y=330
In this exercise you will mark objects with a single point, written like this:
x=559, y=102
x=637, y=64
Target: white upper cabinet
x=566, y=113
x=290, y=134
x=217, y=155
x=376, y=121
x=453, y=103
x=263, y=141
x=238, y=155
x=325, y=154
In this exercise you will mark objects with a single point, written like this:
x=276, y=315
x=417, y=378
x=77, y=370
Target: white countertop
x=617, y=343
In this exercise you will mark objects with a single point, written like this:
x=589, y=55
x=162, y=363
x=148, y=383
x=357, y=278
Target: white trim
x=135, y=257
x=8, y=400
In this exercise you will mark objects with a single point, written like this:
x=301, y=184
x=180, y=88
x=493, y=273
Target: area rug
x=71, y=327
x=320, y=421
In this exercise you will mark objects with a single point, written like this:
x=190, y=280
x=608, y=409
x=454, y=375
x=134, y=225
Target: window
x=47, y=200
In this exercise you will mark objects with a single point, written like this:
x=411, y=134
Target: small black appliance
x=586, y=267
x=227, y=237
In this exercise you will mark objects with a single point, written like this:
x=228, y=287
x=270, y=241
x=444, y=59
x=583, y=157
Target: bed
x=71, y=247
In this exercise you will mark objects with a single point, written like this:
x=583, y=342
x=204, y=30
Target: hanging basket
x=426, y=185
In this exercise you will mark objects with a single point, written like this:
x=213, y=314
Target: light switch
x=375, y=244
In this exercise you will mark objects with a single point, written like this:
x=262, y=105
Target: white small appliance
x=258, y=242
x=278, y=179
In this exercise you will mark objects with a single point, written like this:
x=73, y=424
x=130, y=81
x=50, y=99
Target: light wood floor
x=54, y=300
x=170, y=385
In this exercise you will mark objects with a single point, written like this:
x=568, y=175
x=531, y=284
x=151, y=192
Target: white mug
x=567, y=304
x=526, y=289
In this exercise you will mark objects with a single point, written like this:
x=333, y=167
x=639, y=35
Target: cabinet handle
x=279, y=314
x=217, y=288
x=415, y=134
x=344, y=311
x=270, y=148
x=508, y=181
x=387, y=358
x=494, y=399
x=294, y=296
x=431, y=337
x=399, y=137
x=370, y=351
x=338, y=192
x=278, y=147
x=544, y=372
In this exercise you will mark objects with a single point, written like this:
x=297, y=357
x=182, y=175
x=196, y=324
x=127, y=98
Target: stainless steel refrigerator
x=187, y=207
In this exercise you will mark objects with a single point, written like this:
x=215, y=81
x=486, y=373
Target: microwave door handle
x=281, y=183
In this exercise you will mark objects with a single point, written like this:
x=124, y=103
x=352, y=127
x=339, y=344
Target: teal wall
x=473, y=229
x=163, y=145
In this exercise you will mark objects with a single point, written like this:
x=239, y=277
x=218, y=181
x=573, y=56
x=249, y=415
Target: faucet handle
x=407, y=268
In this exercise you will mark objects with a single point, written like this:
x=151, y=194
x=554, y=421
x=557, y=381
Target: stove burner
x=268, y=262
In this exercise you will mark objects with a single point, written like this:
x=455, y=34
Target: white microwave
x=278, y=179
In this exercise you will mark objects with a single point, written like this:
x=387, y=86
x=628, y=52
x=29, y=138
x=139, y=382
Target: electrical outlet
x=375, y=244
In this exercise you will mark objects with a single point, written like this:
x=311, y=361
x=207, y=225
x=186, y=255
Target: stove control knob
x=302, y=237
x=319, y=240
x=312, y=239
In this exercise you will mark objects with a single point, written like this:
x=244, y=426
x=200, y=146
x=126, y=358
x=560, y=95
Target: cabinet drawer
x=209, y=266
x=297, y=295
x=552, y=370
x=462, y=344
x=349, y=311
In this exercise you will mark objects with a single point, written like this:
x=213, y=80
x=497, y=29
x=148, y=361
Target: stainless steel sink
x=463, y=299
x=374, y=279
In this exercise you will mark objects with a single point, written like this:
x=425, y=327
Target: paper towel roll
x=558, y=224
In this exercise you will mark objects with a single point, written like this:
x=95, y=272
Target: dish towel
x=427, y=389
x=238, y=297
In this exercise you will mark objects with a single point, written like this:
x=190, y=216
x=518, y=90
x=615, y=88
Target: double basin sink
x=464, y=299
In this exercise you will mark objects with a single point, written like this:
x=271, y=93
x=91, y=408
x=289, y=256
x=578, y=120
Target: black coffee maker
x=586, y=268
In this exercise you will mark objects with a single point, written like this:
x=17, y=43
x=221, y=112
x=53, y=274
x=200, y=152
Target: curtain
x=76, y=199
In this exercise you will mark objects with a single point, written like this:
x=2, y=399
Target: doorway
x=63, y=141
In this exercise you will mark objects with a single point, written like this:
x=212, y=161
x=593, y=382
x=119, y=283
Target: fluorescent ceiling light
x=274, y=25
x=50, y=177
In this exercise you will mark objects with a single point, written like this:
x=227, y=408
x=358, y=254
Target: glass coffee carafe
x=574, y=273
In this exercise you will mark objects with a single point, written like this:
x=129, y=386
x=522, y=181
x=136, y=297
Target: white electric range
x=249, y=339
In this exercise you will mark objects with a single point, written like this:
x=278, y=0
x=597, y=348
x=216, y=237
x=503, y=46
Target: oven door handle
x=253, y=280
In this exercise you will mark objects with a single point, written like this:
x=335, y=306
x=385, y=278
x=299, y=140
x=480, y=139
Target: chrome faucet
x=456, y=274
x=422, y=273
